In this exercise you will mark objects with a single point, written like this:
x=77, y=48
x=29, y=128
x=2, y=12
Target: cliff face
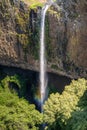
x=68, y=37
x=66, y=41
x=16, y=34
x=13, y=32
x=77, y=34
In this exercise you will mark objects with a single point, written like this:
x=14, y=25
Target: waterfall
x=43, y=79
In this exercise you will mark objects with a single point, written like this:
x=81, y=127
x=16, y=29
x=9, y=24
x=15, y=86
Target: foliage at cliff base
x=68, y=111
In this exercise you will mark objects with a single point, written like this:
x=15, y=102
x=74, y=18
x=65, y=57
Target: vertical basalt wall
x=65, y=37
x=68, y=42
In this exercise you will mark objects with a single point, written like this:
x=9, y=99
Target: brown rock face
x=15, y=48
x=77, y=35
x=77, y=45
x=65, y=37
x=68, y=33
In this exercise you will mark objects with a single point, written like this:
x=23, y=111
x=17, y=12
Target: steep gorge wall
x=66, y=39
x=15, y=34
x=68, y=34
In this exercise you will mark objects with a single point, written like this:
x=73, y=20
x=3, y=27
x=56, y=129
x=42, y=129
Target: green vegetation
x=34, y=40
x=48, y=44
x=24, y=40
x=16, y=82
x=22, y=28
x=16, y=113
x=34, y=3
x=0, y=31
x=22, y=20
x=54, y=13
x=67, y=111
x=54, y=66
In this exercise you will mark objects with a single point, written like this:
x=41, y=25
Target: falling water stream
x=43, y=78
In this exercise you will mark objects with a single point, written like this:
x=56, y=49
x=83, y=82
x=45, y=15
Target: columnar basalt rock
x=66, y=37
x=68, y=41
x=14, y=34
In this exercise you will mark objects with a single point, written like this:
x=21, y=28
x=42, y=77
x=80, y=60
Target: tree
x=16, y=80
x=60, y=110
x=78, y=120
x=16, y=113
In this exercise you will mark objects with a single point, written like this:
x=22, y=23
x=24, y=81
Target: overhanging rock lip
x=26, y=66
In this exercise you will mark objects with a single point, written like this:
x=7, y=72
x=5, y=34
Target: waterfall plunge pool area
x=56, y=83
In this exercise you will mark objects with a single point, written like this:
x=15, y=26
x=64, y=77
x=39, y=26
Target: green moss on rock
x=54, y=66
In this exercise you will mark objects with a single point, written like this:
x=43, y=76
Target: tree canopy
x=67, y=111
x=16, y=113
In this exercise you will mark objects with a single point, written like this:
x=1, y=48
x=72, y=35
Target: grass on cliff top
x=34, y=3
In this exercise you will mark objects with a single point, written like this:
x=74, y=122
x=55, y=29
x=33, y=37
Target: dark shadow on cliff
x=29, y=81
